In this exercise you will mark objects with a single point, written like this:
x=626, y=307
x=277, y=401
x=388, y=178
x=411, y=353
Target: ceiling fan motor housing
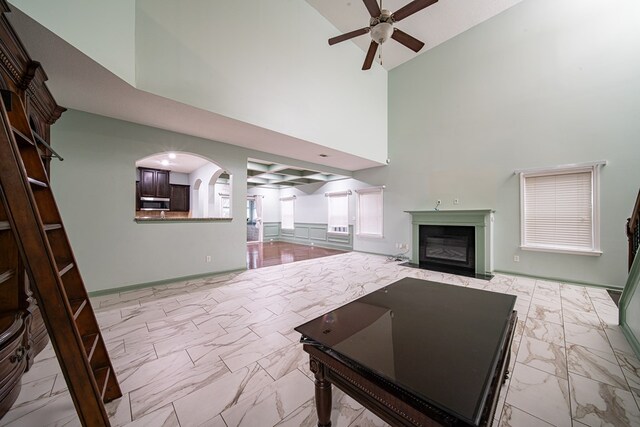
x=382, y=27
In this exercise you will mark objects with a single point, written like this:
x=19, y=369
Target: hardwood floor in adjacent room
x=276, y=253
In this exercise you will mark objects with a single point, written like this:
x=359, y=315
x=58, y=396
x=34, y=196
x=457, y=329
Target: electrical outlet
x=208, y=258
x=516, y=258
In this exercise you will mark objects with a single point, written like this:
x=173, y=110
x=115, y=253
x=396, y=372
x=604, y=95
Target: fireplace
x=447, y=246
x=453, y=241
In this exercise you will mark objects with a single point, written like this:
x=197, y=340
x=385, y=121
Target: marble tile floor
x=220, y=351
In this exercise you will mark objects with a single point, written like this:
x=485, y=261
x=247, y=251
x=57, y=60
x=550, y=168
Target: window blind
x=370, y=208
x=559, y=211
x=338, y=212
x=286, y=213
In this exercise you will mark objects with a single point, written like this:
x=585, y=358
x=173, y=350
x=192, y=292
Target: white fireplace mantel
x=481, y=219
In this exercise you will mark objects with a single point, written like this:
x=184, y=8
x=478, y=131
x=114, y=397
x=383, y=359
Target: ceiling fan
x=381, y=28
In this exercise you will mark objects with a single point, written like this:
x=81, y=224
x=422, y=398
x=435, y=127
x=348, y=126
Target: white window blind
x=286, y=213
x=338, y=212
x=559, y=210
x=370, y=208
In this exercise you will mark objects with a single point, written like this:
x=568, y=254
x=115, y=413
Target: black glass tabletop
x=439, y=342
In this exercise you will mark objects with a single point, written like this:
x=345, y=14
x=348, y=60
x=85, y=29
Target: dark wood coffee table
x=415, y=353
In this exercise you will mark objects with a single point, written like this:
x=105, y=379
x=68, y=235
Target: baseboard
x=305, y=243
x=557, y=279
x=127, y=288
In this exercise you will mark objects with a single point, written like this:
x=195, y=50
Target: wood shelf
x=76, y=306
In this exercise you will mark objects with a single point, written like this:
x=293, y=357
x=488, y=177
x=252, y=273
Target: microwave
x=154, y=203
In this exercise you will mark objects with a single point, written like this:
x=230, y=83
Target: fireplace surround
x=450, y=229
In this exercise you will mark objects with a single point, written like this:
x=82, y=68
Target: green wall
x=95, y=190
x=544, y=83
x=102, y=30
x=264, y=62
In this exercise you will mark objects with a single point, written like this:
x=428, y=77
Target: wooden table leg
x=323, y=393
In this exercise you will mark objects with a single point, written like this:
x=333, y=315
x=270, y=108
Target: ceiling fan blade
x=403, y=38
x=371, y=54
x=372, y=7
x=349, y=35
x=411, y=8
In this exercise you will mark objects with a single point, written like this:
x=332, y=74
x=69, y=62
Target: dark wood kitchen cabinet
x=179, y=198
x=154, y=183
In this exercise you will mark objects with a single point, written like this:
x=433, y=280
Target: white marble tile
x=578, y=317
x=540, y=394
x=549, y=332
x=181, y=323
x=34, y=390
x=344, y=412
x=254, y=351
x=208, y=402
x=173, y=343
x=41, y=412
x=224, y=344
x=172, y=386
x=598, y=365
x=287, y=359
x=545, y=313
x=163, y=417
x=273, y=403
x=548, y=357
x=155, y=370
x=631, y=369
x=587, y=336
x=617, y=339
x=598, y=404
x=514, y=417
x=119, y=411
x=607, y=312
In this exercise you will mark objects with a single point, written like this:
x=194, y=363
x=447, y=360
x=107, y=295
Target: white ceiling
x=181, y=162
x=78, y=82
x=433, y=25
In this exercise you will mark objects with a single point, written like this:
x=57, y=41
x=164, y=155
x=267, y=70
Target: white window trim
x=594, y=168
x=284, y=199
x=338, y=193
x=364, y=191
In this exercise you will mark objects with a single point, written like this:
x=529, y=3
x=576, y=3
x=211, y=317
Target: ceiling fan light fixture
x=381, y=32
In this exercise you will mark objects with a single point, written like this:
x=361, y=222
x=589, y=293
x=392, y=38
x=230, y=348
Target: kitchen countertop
x=150, y=219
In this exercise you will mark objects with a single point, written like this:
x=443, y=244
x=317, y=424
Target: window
x=369, y=216
x=225, y=206
x=286, y=212
x=338, y=212
x=559, y=209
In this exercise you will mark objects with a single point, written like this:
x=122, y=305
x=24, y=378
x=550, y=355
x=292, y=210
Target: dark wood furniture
x=415, y=353
x=633, y=230
x=22, y=331
x=39, y=255
x=154, y=183
x=179, y=198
